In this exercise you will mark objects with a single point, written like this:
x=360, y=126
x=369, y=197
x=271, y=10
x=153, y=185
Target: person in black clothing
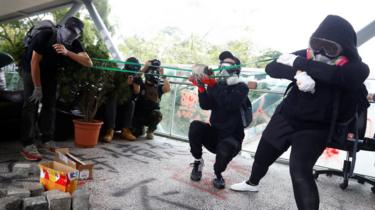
x=147, y=108
x=40, y=81
x=225, y=133
x=302, y=121
x=123, y=113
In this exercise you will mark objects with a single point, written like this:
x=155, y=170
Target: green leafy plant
x=90, y=87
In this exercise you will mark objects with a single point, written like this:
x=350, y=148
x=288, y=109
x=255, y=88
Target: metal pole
x=73, y=10
x=366, y=33
x=103, y=31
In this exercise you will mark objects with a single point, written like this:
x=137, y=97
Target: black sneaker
x=219, y=183
x=196, y=173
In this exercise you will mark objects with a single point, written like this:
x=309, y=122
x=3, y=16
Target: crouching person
x=120, y=115
x=225, y=133
x=147, y=111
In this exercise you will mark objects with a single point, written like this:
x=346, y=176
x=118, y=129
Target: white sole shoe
x=244, y=187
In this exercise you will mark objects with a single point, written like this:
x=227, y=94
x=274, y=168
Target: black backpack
x=246, y=112
x=40, y=26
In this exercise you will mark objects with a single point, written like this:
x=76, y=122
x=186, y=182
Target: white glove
x=287, y=59
x=37, y=95
x=198, y=70
x=304, y=82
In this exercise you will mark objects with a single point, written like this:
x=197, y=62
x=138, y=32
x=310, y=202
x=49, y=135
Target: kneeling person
x=147, y=109
x=225, y=133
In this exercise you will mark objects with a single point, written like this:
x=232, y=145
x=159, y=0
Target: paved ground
x=155, y=175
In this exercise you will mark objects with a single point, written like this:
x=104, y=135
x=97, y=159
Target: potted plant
x=89, y=88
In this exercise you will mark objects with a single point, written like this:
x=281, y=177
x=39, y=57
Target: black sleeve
x=348, y=76
x=231, y=97
x=77, y=47
x=40, y=41
x=206, y=101
x=281, y=71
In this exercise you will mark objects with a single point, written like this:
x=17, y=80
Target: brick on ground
x=58, y=200
x=22, y=169
x=81, y=200
x=35, y=203
x=18, y=192
x=36, y=189
x=10, y=203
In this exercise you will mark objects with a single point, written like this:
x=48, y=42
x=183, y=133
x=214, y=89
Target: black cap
x=226, y=54
x=73, y=22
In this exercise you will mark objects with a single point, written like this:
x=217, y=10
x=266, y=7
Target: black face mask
x=67, y=36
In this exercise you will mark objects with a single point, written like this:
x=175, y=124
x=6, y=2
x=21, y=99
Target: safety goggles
x=330, y=48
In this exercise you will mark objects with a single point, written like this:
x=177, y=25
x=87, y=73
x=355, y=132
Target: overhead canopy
x=16, y=9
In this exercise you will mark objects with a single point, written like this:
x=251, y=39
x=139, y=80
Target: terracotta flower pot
x=86, y=134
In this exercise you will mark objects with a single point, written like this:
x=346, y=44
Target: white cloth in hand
x=304, y=82
x=37, y=95
x=287, y=59
x=198, y=70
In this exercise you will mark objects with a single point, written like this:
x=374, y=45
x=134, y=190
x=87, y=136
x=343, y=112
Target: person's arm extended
x=35, y=68
x=82, y=58
x=280, y=71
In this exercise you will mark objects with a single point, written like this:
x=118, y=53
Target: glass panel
x=187, y=110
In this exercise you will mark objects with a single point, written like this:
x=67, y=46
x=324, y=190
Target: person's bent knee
x=228, y=147
x=195, y=128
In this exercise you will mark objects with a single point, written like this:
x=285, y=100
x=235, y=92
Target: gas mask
x=325, y=50
x=66, y=36
x=229, y=74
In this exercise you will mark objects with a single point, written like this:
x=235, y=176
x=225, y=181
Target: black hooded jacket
x=224, y=102
x=304, y=110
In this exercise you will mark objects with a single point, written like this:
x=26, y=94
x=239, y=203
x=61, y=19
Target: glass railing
x=12, y=78
x=180, y=107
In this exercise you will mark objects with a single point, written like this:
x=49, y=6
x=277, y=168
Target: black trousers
x=202, y=134
x=31, y=120
x=306, y=147
x=150, y=119
x=118, y=116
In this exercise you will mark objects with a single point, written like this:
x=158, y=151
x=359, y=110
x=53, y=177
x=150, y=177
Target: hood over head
x=339, y=30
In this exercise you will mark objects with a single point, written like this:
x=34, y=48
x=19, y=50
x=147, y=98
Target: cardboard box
x=85, y=168
x=54, y=175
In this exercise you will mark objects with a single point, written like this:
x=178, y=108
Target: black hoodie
x=225, y=101
x=305, y=110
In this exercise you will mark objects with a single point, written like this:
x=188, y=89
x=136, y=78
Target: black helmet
x=73, y=23
x=132, y=67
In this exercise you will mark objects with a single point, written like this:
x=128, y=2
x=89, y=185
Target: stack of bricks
x=32, y=196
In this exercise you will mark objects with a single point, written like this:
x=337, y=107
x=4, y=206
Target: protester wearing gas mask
x=147, y=108
x=224, y=134
x=42, y=57
x=120, y=115
x=329, y=70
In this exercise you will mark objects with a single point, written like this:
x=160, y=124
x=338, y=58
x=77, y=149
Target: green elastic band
x=136, y=72
x=182, y=69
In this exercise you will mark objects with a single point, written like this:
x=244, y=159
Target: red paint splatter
x=330, y=152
